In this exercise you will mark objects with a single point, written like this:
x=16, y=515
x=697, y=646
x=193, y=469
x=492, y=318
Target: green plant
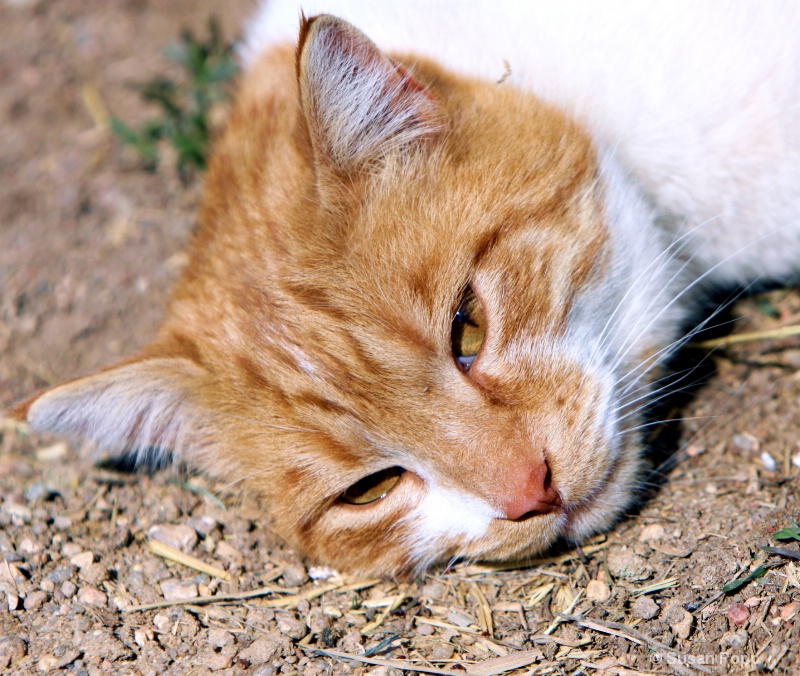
x=185, y=107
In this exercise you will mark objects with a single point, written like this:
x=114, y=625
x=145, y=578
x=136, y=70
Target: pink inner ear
x=359, y=105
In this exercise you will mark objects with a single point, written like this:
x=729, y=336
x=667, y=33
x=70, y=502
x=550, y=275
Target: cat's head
x=408, y=319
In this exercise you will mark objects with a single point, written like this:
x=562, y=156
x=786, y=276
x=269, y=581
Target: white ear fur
x=359, y=105
x=137, y=408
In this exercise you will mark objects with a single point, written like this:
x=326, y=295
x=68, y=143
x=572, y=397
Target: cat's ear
x=358, y=104
x=140, y=407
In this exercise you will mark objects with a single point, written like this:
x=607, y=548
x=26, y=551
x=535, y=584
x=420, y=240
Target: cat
x=437, y=271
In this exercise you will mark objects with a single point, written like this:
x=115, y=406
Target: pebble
x=645, y=608
x=738, y=613
x=219, y=638
x=204, y=525
x=597, y=590
x=734, y=639
x=12, y=649
x=227, y=553
x=293, y=575
x=68, y=589
x=61, y=575
x=443, y=651
x=161, y=622
x=92, y=596
x=35, y=600
x=47, y=585
x=746, y=442
x=260, y=651
x=679, y=620
x=82, y=560
x=30, y=546
x=291, y=626
x=178, y=590
x=20, y=514
x=178, y=536
x=62, y=522
x=94, y=574
x=624, y=563
x=769, y=462
x=652, y=532
x=425, y=630
x=318, y=621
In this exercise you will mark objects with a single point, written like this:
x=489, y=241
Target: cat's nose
x=535, y=494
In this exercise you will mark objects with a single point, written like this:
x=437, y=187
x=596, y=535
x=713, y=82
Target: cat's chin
x=607, y=504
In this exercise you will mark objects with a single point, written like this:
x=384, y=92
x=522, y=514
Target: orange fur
x=316, y=309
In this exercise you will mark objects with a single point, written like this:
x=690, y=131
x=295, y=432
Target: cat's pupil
x=469, y=329
x=373, y=487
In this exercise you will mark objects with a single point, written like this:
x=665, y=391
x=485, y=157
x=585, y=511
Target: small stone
x=734, y=639
x=82, y=560
x=70, y=549
x=62, y=522
x=178, y=590
x=29, y=546
x=746, y=442
x=679, y=620
x=47, y=663
x=652, y=532
x=61, y=575
x=626, y=564
x=219, y=638
x=122, y=537
x=645, y=608
x=291, y=626
x=47, y=585
x=738, y=613
x=94, y=574
x=443, y=651
x=35, y=600
x=10, y=573
x=68, y=589
x=20, y=514
x=204, y=525
x=303, y=606
x=142, y=636
x=14, y=602
x=227, y=553
x=260, y=651
x=92, y=596
x=769, y=462
x=425, y=630
x=179, y=536
x=318, y=621
x=161, y=622
x=332, y=611
x=12, y=649
x=597, y=590
x=295, y=576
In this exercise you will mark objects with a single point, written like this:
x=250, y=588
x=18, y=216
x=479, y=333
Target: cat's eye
x=469, y=329
x=373, y=487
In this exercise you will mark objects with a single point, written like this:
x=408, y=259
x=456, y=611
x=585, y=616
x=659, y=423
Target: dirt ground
x=89, y=247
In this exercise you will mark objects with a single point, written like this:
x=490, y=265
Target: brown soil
x=89, y=246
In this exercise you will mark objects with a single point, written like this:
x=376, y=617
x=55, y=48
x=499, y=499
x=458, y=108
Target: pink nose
x=534, y=495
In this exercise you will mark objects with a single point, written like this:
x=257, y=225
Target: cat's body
x=436, y=297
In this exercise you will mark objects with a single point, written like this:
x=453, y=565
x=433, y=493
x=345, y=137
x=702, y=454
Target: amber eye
x=469, y=329
x=372, y=487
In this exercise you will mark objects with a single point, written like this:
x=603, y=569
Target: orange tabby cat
x=419, y=318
